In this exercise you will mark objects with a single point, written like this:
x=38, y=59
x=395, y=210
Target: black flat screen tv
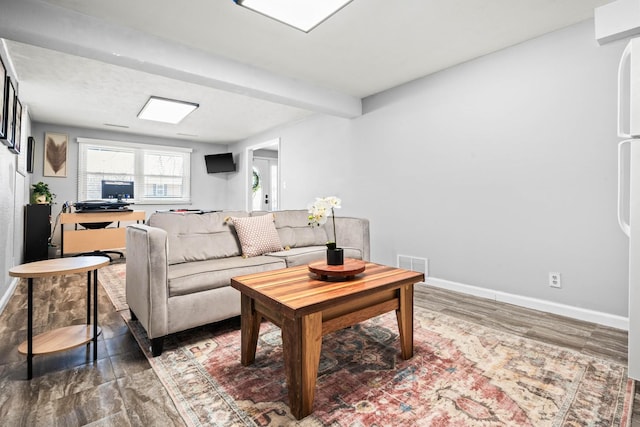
x=117, y=190
x=217, y=163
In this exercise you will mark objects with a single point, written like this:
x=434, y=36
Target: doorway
x=263, y=174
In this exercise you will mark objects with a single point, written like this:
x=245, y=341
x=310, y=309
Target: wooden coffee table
x=306, y=308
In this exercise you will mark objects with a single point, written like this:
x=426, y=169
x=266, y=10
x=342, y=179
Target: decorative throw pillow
x=257, y=235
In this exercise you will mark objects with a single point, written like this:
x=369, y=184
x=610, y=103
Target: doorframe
x=249, y=173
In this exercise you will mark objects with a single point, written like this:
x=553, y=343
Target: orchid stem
x=333, y=217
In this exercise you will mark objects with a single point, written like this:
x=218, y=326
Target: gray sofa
x=179, y=265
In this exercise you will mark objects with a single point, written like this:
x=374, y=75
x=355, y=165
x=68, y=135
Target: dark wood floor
x=121, y=389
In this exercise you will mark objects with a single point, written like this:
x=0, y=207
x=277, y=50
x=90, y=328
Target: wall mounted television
x=117, y=190
x=217, y=163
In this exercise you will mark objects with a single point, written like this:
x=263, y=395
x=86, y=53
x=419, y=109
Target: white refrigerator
x=629, y=186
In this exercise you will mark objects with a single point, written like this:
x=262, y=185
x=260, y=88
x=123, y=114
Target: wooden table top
x=59, y=266
x=100, y=216
x=296, y=291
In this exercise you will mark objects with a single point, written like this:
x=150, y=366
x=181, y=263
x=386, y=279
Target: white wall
x=7, y=215
x=208, y=191
x=499, y=171
x=14, y=188
x=513, y=163
x=309, y=168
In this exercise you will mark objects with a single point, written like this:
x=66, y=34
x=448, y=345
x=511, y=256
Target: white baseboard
x=599, y=317
x=5, y=298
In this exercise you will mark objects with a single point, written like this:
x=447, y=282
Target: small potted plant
x=318, y=215
x=40, y=194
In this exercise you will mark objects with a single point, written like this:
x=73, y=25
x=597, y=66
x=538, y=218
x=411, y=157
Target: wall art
x=14, y=146
x=55, y=154
x=31, y=148
x=3, y=89
x=9, y=107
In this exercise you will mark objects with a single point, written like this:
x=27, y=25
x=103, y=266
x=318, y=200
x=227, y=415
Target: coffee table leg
x=405, y=321
x=249, y=327
x=301, y=345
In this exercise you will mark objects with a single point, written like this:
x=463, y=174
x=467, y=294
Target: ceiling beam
x=52, y=27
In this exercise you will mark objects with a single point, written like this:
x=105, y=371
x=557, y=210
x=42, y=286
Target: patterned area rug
x=462, y=374
x=112, y=279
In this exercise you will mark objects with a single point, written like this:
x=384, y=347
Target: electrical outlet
x=555, y=281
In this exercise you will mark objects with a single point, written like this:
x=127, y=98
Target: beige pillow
x=257, y=234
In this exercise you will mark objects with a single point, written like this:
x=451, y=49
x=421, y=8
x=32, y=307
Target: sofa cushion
x=257, y=235
x=294, y=229
x=197, y=237
x=302, y=256
x=187, y=278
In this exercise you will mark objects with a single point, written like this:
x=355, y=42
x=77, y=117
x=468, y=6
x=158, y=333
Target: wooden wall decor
x=55, y=154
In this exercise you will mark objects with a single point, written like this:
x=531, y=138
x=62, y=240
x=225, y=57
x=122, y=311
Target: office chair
x=93, y=226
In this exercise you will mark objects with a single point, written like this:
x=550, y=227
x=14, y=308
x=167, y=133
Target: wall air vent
x=420, y=265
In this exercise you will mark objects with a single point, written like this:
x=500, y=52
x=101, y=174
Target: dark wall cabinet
x=37, y=228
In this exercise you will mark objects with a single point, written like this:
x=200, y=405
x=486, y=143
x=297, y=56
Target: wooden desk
x=97, y=239
x=71, y=336
x=305, y=309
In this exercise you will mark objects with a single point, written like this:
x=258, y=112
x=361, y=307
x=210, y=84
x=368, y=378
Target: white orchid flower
x=319, y=212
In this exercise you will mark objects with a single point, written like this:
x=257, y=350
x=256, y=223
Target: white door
x=263, y=176
x=264, y=184
x=634, y=260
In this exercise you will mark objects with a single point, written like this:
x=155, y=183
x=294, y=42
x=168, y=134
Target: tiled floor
x=121, y=389
x=68, y=389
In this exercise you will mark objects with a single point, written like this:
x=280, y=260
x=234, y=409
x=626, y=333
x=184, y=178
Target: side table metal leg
x=95, y=315
x=30, y=328
x=88, y=297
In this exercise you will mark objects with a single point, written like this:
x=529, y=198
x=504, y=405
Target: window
x=161, y=175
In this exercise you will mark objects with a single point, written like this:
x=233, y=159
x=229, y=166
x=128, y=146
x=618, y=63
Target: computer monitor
x=117, y=190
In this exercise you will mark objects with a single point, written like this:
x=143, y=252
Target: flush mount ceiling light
x=304, y=15
x=166, y=110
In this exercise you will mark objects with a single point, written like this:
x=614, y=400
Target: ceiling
x=94, y=63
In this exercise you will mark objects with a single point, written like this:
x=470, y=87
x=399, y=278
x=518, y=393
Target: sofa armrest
x=146, y=277
x=353, y=233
